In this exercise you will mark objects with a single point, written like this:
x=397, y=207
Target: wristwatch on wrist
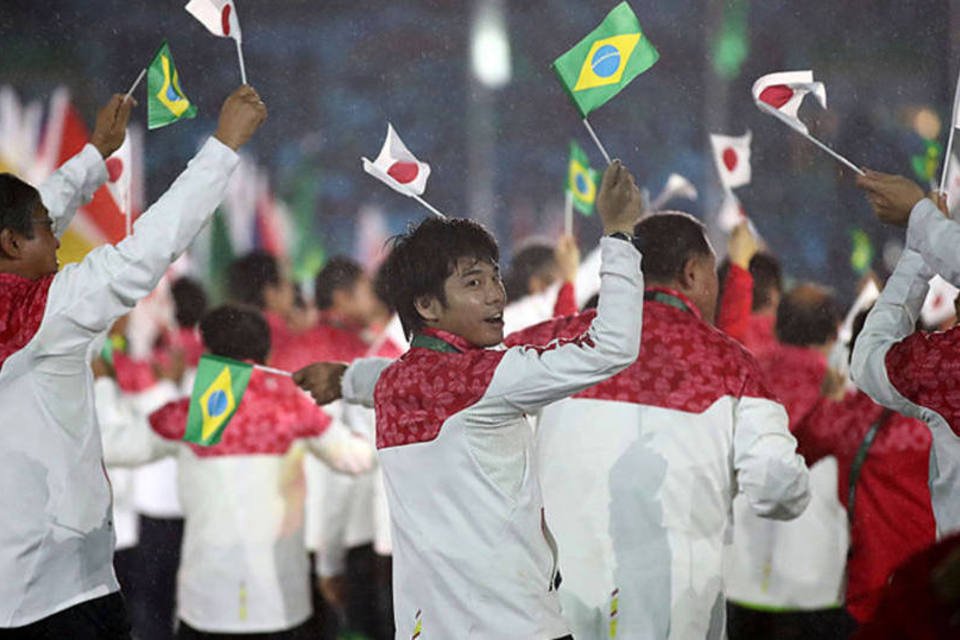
x=620, y=235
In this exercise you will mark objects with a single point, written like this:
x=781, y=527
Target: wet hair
x=807, y=315
x=531, y=260
x=236, y=332
x=767, y=277
x=249, y=275
x=340, y=273
x=422, y=259
x=18, y=201
x=668, y=240
x=189, y=301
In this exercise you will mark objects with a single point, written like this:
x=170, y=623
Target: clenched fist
x=241, y=115
x=111, y=126
x=619, y=201
x=321, y=380
x=892, y=197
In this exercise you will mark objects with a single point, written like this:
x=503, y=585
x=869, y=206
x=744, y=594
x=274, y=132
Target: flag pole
x=279, y=372
x=568, y=213
x=429, y=207
x=136, y=83
x=596, y=140
x=834, y=153
x=243, y=68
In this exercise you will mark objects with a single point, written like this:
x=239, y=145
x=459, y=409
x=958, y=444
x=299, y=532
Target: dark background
x=333, y=72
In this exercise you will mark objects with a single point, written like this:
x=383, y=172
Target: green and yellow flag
x=604, y=62
x=582, y=181
x=166, y=102
x=217, y=391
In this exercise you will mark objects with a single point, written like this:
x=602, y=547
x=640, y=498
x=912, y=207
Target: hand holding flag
x=220, y=19
x=400, y=170
x=781, y=94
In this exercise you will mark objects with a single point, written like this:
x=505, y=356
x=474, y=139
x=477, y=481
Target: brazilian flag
x=861, y=253
x=604, y=62
x=582, y=181
x=217, y=391
x=166, y=102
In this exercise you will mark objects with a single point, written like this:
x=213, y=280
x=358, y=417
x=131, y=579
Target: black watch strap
x=620, y=235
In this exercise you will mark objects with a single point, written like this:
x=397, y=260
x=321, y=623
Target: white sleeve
x=893, y=318
x=128, y=440
x=71, y=186
x=935, y=237
x=770, y=472
x=86, y=298
x=530, y=378
x=360, y=379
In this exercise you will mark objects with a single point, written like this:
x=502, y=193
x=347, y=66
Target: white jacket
x=473, y=557
x=932, y=239
x=58, y=549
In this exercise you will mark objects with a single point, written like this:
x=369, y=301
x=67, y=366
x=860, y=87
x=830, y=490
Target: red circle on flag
x=114, y=169
x=404, y=172
x=730, y=159
x=225, y=19
x=777, y=95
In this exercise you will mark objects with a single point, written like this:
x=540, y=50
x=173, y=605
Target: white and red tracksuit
x=473, y=557
x=913, y=372
x=639, y=471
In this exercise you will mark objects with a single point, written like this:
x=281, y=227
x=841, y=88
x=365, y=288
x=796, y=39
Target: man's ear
x=10, y=243
x=428, y=307
x=688, y=275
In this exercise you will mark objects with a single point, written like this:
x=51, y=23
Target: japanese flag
x=218, y=16
x=120, y=176
x=732, y=157
x=397, y=167
x=780, y=95
x=938, y=305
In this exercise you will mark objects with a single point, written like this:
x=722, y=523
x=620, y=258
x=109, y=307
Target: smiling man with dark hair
x=472, y=554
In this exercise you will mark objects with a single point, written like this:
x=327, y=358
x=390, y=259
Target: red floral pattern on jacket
x=795, y=375
x=924, y=368
x=416, y=394
x=22, y=304
x=566, y=304
x=684, y=363
x=272, y=415
x=893, y=518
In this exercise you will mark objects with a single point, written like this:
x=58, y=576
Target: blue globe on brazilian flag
x=217, y=391
x=166, y=102
x=604, y=62
x=581, y=180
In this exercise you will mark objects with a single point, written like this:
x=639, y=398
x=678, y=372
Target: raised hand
x=892, y=197
x=111, y=126
x=742, y=245
x=619, y=201
x=241, y=115
x=567, y=255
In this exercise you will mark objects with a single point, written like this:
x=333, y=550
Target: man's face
x=358, y=303
x=475, y=302
x=39, y=253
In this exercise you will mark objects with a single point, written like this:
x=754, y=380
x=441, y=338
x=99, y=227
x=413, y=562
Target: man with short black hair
x=57, y=542
x=472, y=553
x=640, y=504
